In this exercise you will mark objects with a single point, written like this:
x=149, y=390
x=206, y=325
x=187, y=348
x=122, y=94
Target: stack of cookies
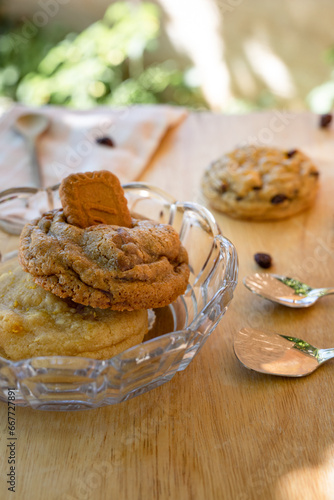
x=92, y=271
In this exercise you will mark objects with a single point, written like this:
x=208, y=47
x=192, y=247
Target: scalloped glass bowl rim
x=117, y=361
x=130, y=185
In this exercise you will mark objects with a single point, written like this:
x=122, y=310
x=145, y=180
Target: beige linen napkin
x=69, y=145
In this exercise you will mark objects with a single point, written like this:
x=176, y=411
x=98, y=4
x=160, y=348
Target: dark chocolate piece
x=278, y=198
x=291, y=153
x=325, y=120
x=263, y=260
x=105, y=141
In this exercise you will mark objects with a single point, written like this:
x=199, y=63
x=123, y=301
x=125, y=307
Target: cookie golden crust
x=261, y=183
x=34, y=322
x=105, y=266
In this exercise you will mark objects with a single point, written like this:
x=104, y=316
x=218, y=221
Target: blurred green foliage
x=105, y=64
x=321, y=98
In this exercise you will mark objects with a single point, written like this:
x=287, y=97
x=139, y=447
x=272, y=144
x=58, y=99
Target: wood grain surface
x=216, y=430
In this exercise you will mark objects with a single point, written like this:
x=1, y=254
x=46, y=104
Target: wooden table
x=217, y=430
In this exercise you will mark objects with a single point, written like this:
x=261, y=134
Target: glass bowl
x=178, y=333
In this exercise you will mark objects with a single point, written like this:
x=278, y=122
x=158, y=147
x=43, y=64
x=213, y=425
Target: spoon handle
x=325, y=354
x=321, y=292
x=36, y=168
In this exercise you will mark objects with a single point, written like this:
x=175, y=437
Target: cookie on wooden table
x=261, y=183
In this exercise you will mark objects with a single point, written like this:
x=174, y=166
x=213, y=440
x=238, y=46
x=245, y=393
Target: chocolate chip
x=325, y=120
x=315, y=173
x=278, y=198
x=263, y=260
x=105, y=141
x=239, y=198
x=257, y=188
x=291, y=153
x=223, y=187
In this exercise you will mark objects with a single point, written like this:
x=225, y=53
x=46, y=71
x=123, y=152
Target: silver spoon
x=30, y=126
x=276, y=354
x=287, y=291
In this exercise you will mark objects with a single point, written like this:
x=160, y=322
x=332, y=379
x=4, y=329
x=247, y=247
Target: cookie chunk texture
x=34, y=322
x=261, y=183
x=106, y=266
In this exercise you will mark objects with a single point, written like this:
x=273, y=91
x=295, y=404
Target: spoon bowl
x=30, y=126
x=276, y=354
x=284, y=290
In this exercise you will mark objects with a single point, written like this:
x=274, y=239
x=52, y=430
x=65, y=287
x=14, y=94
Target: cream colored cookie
x=34, y=322
x=261, y=183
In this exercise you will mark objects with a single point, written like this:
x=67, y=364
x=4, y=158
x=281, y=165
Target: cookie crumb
x=263, y=260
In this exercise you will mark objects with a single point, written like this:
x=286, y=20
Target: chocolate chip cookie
x=261, y=183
